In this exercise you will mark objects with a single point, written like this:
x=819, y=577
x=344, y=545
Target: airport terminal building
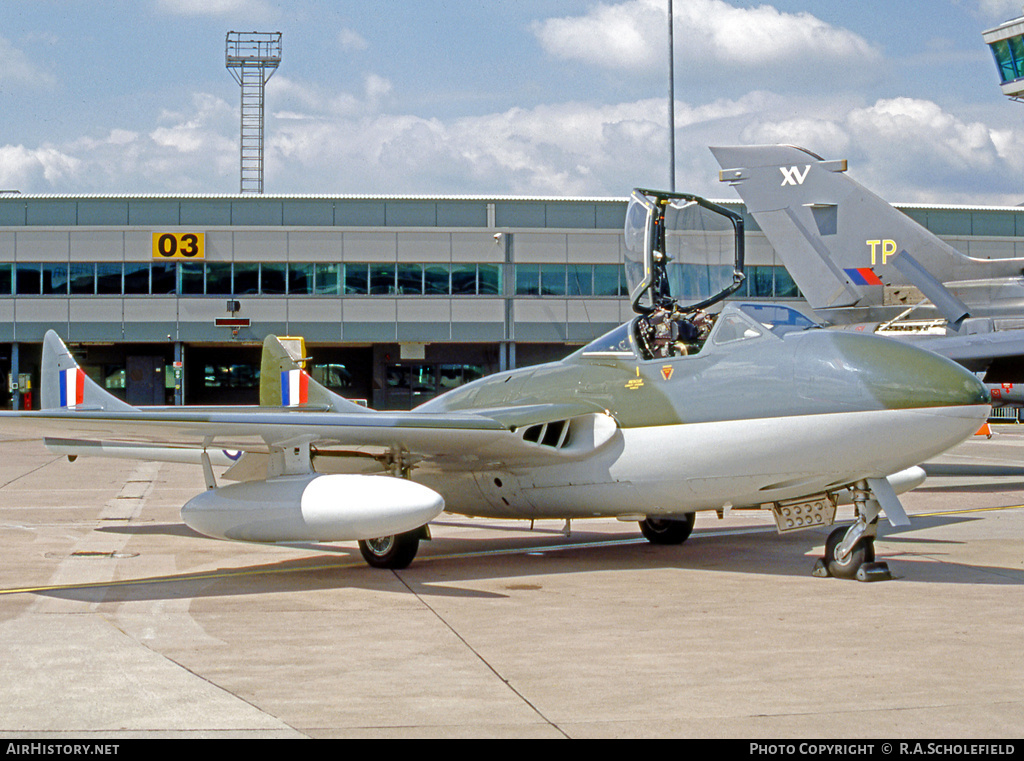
x=167, y=299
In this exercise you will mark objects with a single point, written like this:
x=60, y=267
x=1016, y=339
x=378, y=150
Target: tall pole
x=671, y=105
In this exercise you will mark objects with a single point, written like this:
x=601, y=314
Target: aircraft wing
x=80, y=418
x=446, y=438
x=974, y=349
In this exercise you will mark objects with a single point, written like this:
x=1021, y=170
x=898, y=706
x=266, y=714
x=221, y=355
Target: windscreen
x=681, y=250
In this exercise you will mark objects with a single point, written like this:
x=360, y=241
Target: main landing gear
x=850, y=551
x=667, y=530
x=396, y=551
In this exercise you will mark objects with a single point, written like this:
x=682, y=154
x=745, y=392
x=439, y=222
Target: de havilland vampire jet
x=674, y=412
x=864, y=265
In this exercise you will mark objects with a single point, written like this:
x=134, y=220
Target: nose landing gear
x=850, y=551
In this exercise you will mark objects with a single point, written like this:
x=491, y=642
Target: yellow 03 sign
x=179, y=245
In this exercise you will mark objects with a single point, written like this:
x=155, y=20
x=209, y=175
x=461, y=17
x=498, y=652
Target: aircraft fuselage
x=754, y=417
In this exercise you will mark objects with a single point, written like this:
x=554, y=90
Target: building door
x=144, y=384
x=407, y=386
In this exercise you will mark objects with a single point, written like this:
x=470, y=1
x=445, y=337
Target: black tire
x=863, y=552
x=668, y=530
x=395, y=552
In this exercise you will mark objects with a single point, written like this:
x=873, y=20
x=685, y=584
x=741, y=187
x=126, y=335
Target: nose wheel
x=850, y=550
x=847, y=566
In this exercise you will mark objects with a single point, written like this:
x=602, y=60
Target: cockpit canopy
x=682, y=251
x=736, y=322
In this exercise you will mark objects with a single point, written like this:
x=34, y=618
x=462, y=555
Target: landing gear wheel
x=395, y=552
x=667, y=530
x=863, y=552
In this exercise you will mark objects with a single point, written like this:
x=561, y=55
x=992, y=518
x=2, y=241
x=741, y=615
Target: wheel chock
x=874, y=572
x=867, y=572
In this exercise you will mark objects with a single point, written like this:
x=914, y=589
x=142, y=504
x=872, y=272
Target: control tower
x=1007, y=44
x=252, y=58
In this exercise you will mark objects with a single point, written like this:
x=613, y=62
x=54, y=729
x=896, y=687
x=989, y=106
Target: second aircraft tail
x=842, y=244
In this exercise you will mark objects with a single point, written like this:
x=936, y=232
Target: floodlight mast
x=252, y=58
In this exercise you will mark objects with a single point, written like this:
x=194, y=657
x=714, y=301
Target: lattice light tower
x=252, y=58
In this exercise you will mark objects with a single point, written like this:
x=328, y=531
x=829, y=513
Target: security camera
x=497, y=237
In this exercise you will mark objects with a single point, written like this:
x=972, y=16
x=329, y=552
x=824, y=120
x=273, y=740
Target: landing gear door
x=683, y=252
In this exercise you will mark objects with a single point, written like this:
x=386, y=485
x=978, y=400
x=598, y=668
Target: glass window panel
x=436, y=280
x=108, y=279
x=463, y=279
x=1001, y=50
x=273, y=278
x=527, y=280
x=332, y=376
x=489, y=279
x=300, y=279
x=785, y=287
x=552, y=280
x=192, y=278
x=357, y=280
x=239, y=375
x=328, y=279
x=606, y=280
x=28, y=281
x=114, y=376
x=1017, y=50
x=452, y=376
x=246, y=279
x=382, y=279
x=423, y=383
x=761, y=281
x=410, y=279
x=82, y=279
x=164, y=278
x=581, y=279
x=136, y=279
x=6, y=279
x=218, y=278
x=55, y=279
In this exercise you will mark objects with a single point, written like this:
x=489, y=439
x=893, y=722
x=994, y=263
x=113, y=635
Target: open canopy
x=682, y=251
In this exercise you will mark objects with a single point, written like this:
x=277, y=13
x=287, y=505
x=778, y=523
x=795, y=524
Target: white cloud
x=1001, y=9
x=25, y=169
x=16, y=68
x=909, y=149
x=632, y=35
x=350, y=40
x=324, y=141
x=554, y=149
x=201, y=130
x=252, y=9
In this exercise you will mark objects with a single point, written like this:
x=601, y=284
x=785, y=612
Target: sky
x=562, y=98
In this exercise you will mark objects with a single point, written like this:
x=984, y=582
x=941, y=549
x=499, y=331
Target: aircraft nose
x=891, y=374
x=901, y=376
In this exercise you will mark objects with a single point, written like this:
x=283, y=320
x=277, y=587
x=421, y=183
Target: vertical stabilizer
x=283, y=383
x=64, y=385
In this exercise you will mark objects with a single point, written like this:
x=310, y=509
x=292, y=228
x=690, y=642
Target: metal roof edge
x=304, y=197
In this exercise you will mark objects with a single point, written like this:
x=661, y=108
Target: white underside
x=708, y=466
